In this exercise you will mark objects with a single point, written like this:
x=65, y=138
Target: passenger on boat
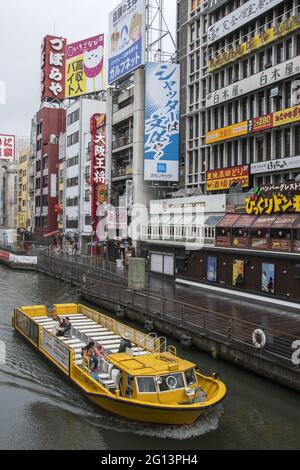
x=125, y=344
x=100, y=351
x=89, y=352
x=65, y=328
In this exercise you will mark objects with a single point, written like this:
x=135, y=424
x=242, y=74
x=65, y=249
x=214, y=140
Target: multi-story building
x=77, y=166
x=50, y=123
x=23, y=220
x=61, y=182
x=242, y=69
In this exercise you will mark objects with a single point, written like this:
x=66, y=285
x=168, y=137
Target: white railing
x=180, y=233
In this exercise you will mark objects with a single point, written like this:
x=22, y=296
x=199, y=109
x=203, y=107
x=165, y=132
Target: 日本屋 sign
x=162, y=110
x=7, y=147
x=230, y=132
x=126, y=39
x=274, y=199
x=85, y=67
x=282, y=164
x=266, y=36
x=217, y=180
x=239, y=17
x=53, y=67
x=259, y=80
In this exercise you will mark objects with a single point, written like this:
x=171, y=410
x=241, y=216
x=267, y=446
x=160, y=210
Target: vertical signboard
x=98, y=166
x=85, y=67
x=53, y=68
x=7, y=147
x=162, y=112
x=126, y=39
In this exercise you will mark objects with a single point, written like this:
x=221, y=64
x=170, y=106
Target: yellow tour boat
x=146, y=382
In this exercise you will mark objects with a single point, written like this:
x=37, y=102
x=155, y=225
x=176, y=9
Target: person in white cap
x=125, y=344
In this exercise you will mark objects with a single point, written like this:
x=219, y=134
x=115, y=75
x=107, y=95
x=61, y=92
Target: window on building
x=278, y=143
x=73, y=139
x=287, y=142
x=297, y=140
x=45, y=181
x=260, y=149
x=279, y=53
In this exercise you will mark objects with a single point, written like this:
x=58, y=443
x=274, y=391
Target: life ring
x=259, y=339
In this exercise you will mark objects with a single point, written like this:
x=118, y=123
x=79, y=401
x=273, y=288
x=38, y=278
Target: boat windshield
x=146, y=385
x=190, y=377
x=170, y=382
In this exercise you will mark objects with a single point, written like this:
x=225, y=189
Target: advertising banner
x=162, y=112
x=53, y=68
x=239, y=17
x=251, y=44
x=268, y=278
x=238, y=273
x=286, y=116
x=85, y=67
x=261, y=123
x=56, y=349
x=224, y=133
x=217, y=180
x=282, y=164
x=126, y=39
x=212, y=269
x=7, y=147
x=255, y=82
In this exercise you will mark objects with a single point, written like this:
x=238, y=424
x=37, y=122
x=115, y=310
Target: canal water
x=39, y=410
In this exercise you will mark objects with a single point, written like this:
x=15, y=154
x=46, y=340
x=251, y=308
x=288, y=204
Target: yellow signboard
x=286, y=116
x=265, y=37
x=229, y=132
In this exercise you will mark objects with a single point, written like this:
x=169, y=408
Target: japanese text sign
x=126, y=39
x=162, y=110
x=53, y=68
x=217, y=180
x=7, y=147
x=275, y=199
x=85, y=67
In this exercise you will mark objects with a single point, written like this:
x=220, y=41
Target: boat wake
x=204, y=425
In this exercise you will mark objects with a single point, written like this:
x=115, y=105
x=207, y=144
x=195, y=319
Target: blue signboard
x=127, y=39
x=162, y=112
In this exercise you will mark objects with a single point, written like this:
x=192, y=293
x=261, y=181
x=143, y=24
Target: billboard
x=53, y=68
x=162, y=112
x=239, y=17
x=85, y=66
x=126, y=39
x=224, y=133
x=7, y=147
x=217, y=180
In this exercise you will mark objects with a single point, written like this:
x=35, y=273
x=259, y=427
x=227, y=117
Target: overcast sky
x=24, y=23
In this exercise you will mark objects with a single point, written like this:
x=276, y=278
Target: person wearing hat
x=125, y=344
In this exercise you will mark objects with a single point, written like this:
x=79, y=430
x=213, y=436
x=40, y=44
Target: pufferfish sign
x=85, y=67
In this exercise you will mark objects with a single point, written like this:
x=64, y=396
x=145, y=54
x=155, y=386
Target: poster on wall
x=126, y=39
x=162, y=112
x=238, y=273
x=85, y=67
x=212, y=269
x=268, y=278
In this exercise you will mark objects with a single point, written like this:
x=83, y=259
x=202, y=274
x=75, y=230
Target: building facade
x=240, y=103
x=50, y=123
x=77, y=221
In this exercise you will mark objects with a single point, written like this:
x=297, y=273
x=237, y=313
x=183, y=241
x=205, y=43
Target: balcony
x=122, y=171
x=197, y=235
x=122, y=142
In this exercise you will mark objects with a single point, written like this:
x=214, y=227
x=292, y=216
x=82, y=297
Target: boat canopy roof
x=150, y=365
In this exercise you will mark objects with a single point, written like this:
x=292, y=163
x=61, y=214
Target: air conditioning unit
x=53, y=139
x=276, y=91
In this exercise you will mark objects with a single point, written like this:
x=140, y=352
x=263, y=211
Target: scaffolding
x=160, y=43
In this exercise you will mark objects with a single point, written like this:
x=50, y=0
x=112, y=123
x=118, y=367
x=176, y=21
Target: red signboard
x=261, y=123
x=98, y=166
x=7, y=147
x=223, y=179
x=53, y=68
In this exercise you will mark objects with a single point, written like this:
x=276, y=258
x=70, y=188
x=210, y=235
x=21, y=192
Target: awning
x=245, y=221
x=264, y=221
x=285, y=221
x=229, y=220
x=297, y=223
x=213, y=220
x=52, y=234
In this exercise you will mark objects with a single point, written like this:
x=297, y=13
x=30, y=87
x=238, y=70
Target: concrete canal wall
x=223, y=337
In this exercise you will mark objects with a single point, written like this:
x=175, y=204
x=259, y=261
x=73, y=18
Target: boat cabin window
x=170, y=382
x=190, y=377
x=146, y=385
